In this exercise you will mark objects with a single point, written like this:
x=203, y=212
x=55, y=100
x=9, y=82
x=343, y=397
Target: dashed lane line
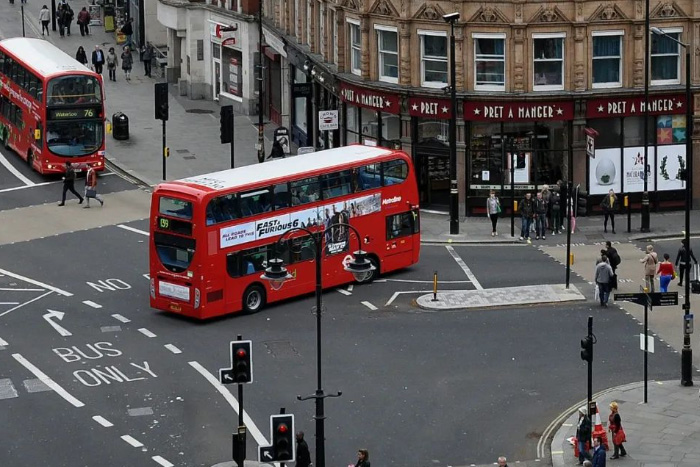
x=162, y=461
x=369, y=305
x=103, y=421
x=350, y=287
x=343, y=291
x=172, y=348
x=464, y=267
x=146, y=332
x=9, y=303
x=92, y=304
x=121, y=318
x=47, y=381
x=132, y=441
x=37, y=283
x=133, y=229
x=3, y=342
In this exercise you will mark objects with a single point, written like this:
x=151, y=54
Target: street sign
x=266, y=454
x=590, y=141
x=654, y=299
x=327, y=120
x=650, y=343
x=638, y=298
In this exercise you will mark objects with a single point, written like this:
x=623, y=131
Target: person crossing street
x=69, y=184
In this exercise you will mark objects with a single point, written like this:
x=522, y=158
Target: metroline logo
x=393, y=200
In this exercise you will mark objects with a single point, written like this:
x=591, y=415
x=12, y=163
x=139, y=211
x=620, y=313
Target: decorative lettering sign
x=429, y=108
x=634, y=106
x=519, y=111
x=369, y=98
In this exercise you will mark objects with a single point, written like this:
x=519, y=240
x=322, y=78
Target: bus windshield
x=73, y=89
x=74, y=138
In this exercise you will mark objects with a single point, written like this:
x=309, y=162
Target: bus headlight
x=196, y=298
x=153, y=288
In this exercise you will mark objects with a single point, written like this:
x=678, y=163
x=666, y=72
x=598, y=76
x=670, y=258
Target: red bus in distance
x=212, y=235
x=51, y=107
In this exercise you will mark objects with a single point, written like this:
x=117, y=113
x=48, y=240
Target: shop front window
x=548, y=63
x=352, y=116
x=232, y=77
x=665, y=58
x=370, y=127
x=391, y=130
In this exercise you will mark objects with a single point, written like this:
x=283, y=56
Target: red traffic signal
x=242, y=361
x=283, y=445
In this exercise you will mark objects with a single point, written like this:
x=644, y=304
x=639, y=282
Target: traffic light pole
x=590, y=363
x=646, y=350
x=165, y=150
x=512, y=188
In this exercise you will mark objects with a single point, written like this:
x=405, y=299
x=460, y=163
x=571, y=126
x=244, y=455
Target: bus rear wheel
x=253, y=299
x=30, y=160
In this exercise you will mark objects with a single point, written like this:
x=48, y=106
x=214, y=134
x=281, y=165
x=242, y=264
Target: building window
x=665, y=58
x=548, y=62
x=433, y=55
x=489, y=62
x=388, y=53
x=355, y=47
x=607, y=59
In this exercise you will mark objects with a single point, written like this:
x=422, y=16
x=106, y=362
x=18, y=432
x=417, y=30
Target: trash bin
x=120, y=126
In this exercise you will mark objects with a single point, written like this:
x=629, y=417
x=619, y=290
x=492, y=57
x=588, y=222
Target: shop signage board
x=531, y=111
x=428, y=107
x=634, y=106
x=327, y=120
x=370, y=98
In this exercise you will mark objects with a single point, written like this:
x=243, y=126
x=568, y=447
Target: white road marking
x=396, y=295
x=3, y=342
x=133, y=229
x=173, y=349
x=350, y=287
x=47, y=381
x=58, y=315
x=412, y=281
x=5, y=190
x=343, y=291
x=40, y=284
x=162, y=461
x=92, y=304
x=25, y=303
x=369, y=305
x=15, y=172
x=132, y=441
x=12, y=289
x=252, y=428
x=146, y=332
x=119, y=317
x=464, y=267
x=102, y=421
x=9, y=303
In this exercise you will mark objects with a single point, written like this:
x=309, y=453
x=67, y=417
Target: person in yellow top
x=609, y=206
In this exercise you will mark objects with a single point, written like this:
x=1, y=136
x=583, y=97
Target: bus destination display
x=70, y=114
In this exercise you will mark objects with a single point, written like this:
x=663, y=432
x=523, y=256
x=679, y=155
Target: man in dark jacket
x=612, y=255
x=303, y=455
x=555, y=211
x=598, y=452
x=683, y=258
x=128, y=31
x=541, y=208
x=527, y=210
x=583, y=434
x=98, y=59
x=69, y=184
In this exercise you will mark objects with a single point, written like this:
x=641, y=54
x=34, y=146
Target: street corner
x=499, y=297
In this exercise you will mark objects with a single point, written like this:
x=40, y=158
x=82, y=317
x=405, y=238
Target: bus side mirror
x=37, y=134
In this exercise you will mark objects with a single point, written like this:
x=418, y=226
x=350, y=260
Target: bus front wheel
x=30, y=160
x=253, y=299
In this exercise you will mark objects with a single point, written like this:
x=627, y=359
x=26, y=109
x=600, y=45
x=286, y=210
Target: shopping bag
x=613, y=282
x=597, y=292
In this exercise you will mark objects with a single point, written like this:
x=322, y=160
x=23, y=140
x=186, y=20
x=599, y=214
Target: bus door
x=399, y=238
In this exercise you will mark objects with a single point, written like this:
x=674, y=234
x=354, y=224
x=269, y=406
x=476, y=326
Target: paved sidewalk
x=504, y=296
x=665, y=432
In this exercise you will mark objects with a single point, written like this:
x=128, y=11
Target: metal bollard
x=435, y=282
x=571, y=259
x=629, y=213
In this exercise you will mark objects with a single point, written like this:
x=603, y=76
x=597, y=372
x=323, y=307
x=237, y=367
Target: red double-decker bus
x=212, y=235
x=51, y=107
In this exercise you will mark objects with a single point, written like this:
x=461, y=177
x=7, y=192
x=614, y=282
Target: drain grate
x=199, y=111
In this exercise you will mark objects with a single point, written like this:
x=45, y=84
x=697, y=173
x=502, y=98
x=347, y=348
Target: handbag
x=90, y=192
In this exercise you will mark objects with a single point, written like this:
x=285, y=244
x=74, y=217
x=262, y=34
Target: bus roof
x=286, y=168
x=41, y=56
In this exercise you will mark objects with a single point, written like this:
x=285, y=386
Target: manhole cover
x=199, y=111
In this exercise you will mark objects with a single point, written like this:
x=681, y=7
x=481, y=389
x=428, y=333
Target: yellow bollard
x=627, y=200
x=571, y=259
x=515, y=205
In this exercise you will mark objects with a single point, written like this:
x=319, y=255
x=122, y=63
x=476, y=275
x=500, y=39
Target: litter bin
x=120, y=126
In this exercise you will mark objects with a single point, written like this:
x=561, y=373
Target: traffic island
x=499, y=297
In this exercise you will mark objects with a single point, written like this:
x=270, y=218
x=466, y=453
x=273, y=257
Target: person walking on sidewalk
x=666, y=273
x=303, y=455
x=547, y=197
x=613, y=256
x=598, y=452
x=128, y=31
x=502, y=461
x=571, y=210
x=527, y=210
x=81, y=56
x=68, y=18
x=683, y=261
x=45, y=19
x=555, y=211
x=69, y=184
x=147, y=58
x=540, y=215
x=277, y=151
x=91, y=188
x=98, y=59
x=583, y=434
x=362, y=458
x=127, y=62
x=84, y=21
x=618, y=434
x=650, y=260
x=493, y=209
x=609, y=206
x=60, y=14
x=603, y=277
x=112, y=64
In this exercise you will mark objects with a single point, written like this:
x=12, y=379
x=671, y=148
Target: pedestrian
x=68, y=18
x=59, y=18
x=603, y=277
x=98, y=59
x=277, y=151
x=564, y=195
x=613, y=256
x=91, y=188
x=555, y=212
x=128, y=31
x=84, y=21
x=650, y=261
x=502, y=462
x=493, y=209
x=147, y=57
x=598, y=452
x=587, y=463
x=618, y=434
x=683, y=261
x=540, y=215
x=303, y=456
x=81, y=56
x=45, y=18
x=69, y=184
x=527, y=210
x=572, y=214
x=547, y=196
x=666, y=273
x=127, y=62
x=112, y=64
x=362, y=458
x=609, y=205
x=583, y=434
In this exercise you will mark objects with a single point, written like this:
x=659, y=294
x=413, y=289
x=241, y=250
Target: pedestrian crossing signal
x=587, y=349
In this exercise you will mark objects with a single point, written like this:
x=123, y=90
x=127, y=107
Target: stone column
x=365, y=60
x=580, y=59
x=460, y=57
x=405, y=75
x=638, y=57
x=340, y=40
x=519, y=59
x=312, y=25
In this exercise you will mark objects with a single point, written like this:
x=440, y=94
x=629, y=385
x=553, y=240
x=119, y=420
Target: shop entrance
x=432, y=158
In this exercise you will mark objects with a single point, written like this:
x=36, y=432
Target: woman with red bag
x=618, y=434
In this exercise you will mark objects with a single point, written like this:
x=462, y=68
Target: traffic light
x=226, y=120
x=283, y=437
x=587, y=349
x=242, y=367
x=161, y=104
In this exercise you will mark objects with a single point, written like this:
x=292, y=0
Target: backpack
x=615, y=259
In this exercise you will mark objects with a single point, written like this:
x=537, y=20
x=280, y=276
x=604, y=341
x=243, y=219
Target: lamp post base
x=686, y=366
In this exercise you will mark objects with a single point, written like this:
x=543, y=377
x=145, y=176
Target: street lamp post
x=645, y=194
x=276, y=273
x=261, y=100
x=452, y=18
x=686, y=352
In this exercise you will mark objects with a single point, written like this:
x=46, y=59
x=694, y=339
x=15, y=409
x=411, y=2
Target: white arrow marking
x=267, y=454
x=58, y=315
